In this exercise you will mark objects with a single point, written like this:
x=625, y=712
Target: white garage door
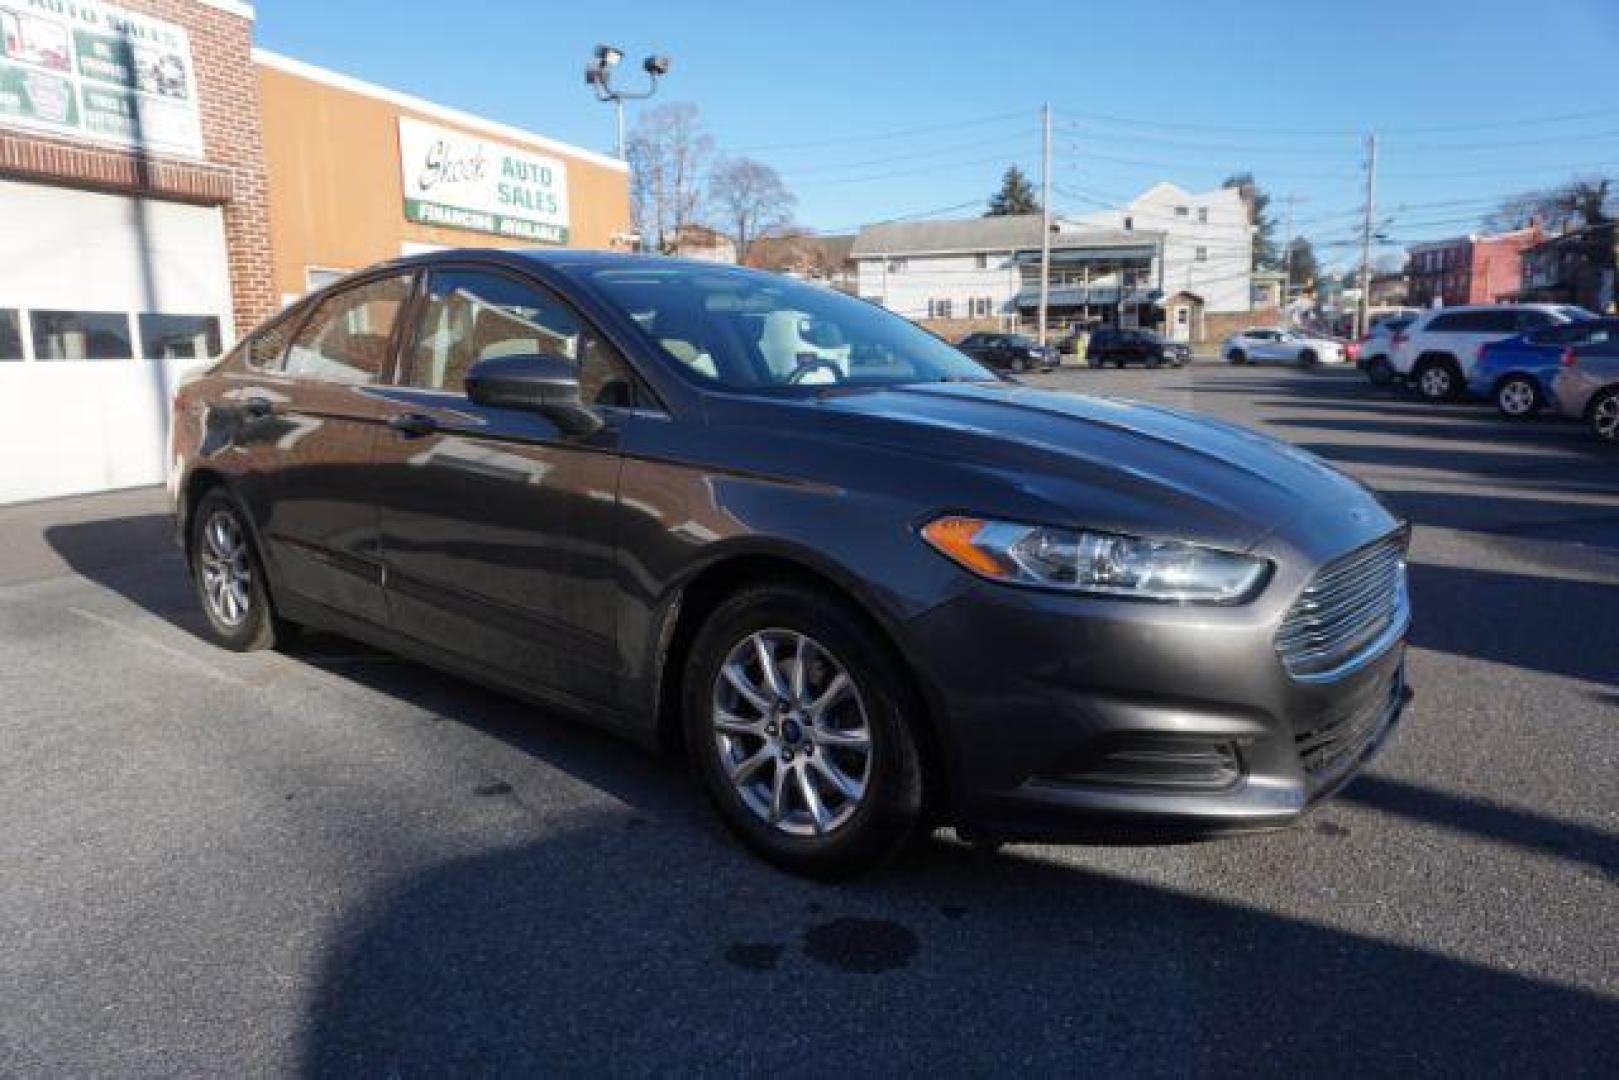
x=104, y=302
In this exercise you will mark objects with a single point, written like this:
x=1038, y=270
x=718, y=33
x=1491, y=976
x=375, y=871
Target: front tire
x=228, y=575
x=1605, y=416
x=1308, y=358
x=796, y=718
x=1237, y=356
x=1018, y=365
x=1518, y=397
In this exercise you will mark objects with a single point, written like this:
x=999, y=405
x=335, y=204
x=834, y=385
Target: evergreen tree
x=1016, y=196
x=1259, y=217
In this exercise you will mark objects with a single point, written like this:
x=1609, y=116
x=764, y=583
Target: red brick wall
x=1497, y=266
x=233, y=174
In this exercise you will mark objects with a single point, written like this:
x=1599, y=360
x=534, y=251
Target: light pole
x=599, y=75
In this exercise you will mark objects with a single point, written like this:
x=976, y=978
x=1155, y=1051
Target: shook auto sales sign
x=460, y=181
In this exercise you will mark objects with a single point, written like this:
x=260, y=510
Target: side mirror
x=548, y=385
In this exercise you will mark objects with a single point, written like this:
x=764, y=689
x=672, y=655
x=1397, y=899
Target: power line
x=881, y=136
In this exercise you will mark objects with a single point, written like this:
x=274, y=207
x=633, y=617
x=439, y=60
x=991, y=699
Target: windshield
x=746, y=330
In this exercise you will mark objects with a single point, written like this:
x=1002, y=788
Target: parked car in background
x=1517, y=373
x=1436, y=353
x=1111, y=345
x=1266, y=344
x=1371, y=353
x=937, y=597
x=1014, y=352
x=1587, y=386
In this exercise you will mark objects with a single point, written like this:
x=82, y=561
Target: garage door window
x=10, y=334
x=179, y=337
x=82, y=335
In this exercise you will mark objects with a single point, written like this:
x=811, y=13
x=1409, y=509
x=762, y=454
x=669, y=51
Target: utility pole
x=1045, y=221
x=1287, y=255
x=1366, y=236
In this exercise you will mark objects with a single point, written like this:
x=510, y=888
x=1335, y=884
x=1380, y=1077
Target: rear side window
x=266, y=348
x=1533, y=320
x=1475, y=322
x=346, y=339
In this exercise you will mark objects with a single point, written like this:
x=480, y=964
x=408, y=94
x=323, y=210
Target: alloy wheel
x=227, y=570
x=792, y=731
x=1605, y=418
x=1516, y=398
x=1435, y=383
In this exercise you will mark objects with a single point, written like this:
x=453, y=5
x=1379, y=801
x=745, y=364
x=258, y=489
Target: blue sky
x=833, y=93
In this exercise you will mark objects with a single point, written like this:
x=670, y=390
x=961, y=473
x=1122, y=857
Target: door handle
x=413, y=425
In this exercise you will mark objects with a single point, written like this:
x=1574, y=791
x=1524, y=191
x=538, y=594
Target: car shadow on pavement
x=642, y=940
x=630, y=951
x=1518, y=620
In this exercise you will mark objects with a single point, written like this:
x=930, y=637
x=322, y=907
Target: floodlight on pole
x=599, y=76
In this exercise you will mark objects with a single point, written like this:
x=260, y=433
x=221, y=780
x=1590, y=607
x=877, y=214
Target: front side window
x=179, y=337
x=346, y=339
x=744, y=330
x=473, y=315
x=82, y=335
x=10, y=334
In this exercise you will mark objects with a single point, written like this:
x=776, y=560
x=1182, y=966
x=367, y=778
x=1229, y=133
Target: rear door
x=498, y=528
x=307, y=415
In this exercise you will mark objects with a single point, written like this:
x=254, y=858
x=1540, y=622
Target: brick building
x=1480, y=268
x=134, y=227
x=163, y=187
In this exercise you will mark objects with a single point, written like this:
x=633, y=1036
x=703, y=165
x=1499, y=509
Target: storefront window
x=81, y=335
x=179, y=337
x=10, y=334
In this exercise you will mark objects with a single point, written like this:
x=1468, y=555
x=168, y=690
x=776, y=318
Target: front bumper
x=1071, y=719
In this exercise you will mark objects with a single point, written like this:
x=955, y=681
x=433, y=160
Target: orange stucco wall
x=336, y=199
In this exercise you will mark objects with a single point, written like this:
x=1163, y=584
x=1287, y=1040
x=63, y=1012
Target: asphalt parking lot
x=330, y=861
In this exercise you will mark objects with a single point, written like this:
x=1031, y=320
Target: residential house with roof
x=1479, y=268
x=1206, y=237
x=986, y=272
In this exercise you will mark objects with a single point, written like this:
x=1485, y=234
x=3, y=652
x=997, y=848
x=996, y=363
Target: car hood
x=1108, y=463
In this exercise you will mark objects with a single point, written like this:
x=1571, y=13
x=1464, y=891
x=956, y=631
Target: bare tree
x=749, y=201
x=1577, y=204
x=668, y=151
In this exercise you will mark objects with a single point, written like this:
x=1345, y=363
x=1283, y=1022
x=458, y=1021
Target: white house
x=989, y=268
x=1207, y=241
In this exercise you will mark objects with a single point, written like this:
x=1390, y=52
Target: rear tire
x=228, y=575
x=782, y=770
x=1518, y=397
x=1604, y=414
x=1308, y=358
x=1437, y=379
x=1237, y=356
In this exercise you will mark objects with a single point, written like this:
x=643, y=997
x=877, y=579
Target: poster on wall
x=461, y=181
x=83, y=69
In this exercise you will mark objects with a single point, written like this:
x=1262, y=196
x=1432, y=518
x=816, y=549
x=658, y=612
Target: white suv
x=1436, y=353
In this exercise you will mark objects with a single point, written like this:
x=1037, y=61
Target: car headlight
x=1081, y=561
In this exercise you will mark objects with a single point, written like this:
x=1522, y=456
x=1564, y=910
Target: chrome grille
x=1352, y=610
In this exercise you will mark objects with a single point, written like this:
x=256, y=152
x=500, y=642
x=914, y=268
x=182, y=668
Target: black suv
x=1015, y=352
x=1112, y=346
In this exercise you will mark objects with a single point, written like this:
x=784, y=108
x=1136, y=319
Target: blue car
x=1517, y=373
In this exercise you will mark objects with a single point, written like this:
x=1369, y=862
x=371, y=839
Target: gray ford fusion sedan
x=863, y=584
